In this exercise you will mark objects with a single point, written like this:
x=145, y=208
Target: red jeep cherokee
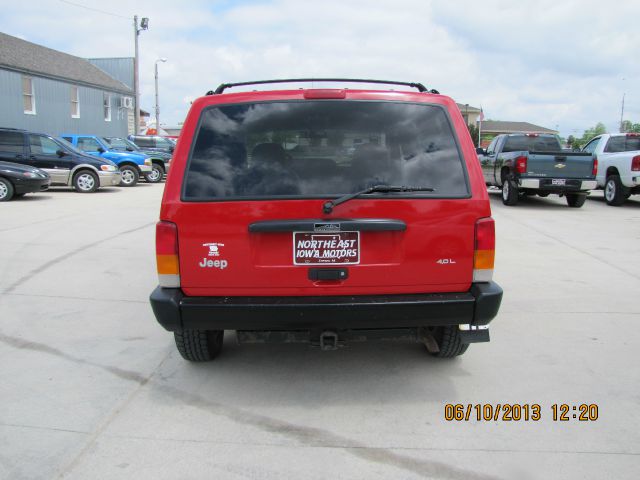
x=324, y=216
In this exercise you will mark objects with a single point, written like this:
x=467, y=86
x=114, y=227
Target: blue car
x=131, y=164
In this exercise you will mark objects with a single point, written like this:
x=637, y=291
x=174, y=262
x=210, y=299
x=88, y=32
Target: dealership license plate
x=326, y=248
x=558, y=181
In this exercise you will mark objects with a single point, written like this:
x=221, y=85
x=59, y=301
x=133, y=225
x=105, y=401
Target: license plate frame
x=558, y=182
x=309, y=253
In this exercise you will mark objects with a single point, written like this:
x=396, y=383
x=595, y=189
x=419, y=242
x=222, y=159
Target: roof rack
x=224, y=86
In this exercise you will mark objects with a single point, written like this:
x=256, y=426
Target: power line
x=94, y=9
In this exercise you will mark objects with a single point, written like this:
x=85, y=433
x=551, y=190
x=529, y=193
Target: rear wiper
x=327, y=207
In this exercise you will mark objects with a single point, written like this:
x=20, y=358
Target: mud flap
x=474, y=333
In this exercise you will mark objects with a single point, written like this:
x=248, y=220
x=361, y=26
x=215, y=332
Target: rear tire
x=156, y=174
x=130, y=176
x=575, y=200
x=614, y=192
x=449, y=342
x=199, y=345
x=85, y=181
x=510, y=193
x=6, y=190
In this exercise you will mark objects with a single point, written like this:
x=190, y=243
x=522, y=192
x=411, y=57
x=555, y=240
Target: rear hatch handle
x=320, y=225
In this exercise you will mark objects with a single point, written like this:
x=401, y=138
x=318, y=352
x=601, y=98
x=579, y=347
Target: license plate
x=326, y=248
x=558, y=181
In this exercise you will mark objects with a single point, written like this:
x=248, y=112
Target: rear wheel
x=449, y=342
x=614, y=192
x=199, y=345
x=86, y=181
x=129, y=176
x=156, y=174
x=6, y=190
x=576, y=200
x=509, y=192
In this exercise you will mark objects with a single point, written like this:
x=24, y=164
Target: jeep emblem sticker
x=214, y=248
x=213, y=251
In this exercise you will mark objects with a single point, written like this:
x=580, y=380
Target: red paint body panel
x=261, y=264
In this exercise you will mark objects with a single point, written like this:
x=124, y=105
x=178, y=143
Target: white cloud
x=547, y=62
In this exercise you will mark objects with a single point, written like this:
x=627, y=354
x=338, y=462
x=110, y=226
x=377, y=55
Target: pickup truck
x=530, y=164
x=618, y=157
x=130, y=164
x=160, y=160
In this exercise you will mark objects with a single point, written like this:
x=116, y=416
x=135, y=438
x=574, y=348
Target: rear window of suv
x=307, y=149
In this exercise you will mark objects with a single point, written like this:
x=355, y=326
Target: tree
x=629, y=127
x=473, y=131
x=588, y=134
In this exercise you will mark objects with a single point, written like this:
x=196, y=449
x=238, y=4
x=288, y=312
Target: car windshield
x=323, y=148
x=531, y=143
x=121, y=144
x=68, y=146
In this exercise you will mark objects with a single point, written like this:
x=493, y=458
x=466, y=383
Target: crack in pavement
x=61, y=258
x=68, y=297
x=308, y=436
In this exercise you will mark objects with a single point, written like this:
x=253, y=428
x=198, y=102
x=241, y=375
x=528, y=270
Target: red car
x=325, y=216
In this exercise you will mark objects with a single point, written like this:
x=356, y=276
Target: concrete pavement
x=92, y=387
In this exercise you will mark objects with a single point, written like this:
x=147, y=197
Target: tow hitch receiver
x=328, y=341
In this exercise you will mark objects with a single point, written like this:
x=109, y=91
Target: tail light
x=167, y=254
x=594, y=172
x=521, y=164
x=485, y=250
x=635, y=163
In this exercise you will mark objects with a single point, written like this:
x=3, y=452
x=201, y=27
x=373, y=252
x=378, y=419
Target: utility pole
x=480, y=119
x=622, y=114
x=144, y=25
x=157, y=103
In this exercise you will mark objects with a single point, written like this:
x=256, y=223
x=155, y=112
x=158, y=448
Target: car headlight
x=30, y=174
x=108, y=168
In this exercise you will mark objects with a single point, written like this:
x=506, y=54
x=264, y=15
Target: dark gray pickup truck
x=535, y=164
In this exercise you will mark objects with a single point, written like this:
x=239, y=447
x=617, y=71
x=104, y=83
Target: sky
x=560, y=64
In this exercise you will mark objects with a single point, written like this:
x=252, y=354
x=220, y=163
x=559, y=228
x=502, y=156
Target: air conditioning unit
x=126, y=102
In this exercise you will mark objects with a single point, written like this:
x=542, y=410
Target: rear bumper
x=546, y=184
x=175, y=312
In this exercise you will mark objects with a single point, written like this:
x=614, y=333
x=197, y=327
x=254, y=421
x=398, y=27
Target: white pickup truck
x=618, y=156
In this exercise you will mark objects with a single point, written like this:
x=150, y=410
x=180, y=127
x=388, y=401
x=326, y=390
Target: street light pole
x=157, y=104
x=144, y=25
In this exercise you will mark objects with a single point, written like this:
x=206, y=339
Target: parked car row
x=535, y=164
x=31, y=162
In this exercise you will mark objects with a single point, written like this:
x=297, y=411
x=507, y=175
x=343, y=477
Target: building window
x=107, y=107
x=28, y=96
x=75, y=102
